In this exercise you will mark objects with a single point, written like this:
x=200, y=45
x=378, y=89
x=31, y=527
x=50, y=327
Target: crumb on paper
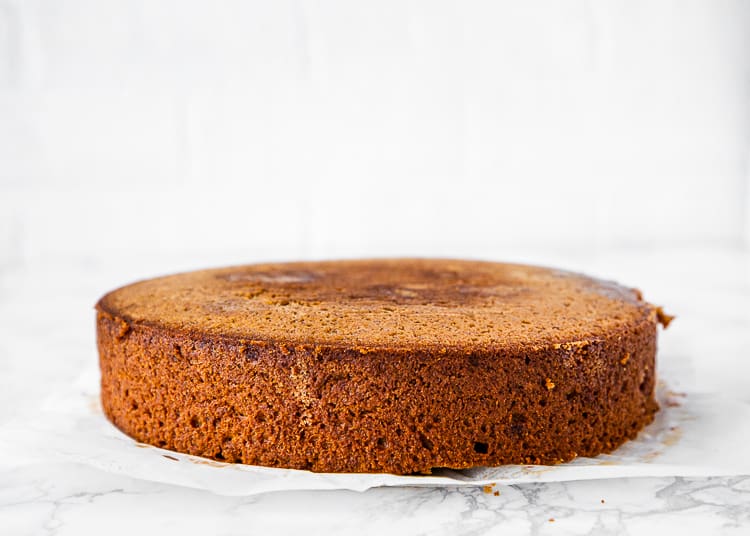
x=496, y=494
x=552, y=520
x=550, y=384
x=674, y=398
x=602, y=501
x=487, y=489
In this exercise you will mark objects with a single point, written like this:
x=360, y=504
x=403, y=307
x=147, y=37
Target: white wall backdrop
x=310, y=129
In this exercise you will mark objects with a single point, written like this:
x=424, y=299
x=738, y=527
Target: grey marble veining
x=65, y=499
x=708, y=290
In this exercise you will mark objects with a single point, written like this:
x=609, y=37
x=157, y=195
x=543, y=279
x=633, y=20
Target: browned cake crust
x=379, y=366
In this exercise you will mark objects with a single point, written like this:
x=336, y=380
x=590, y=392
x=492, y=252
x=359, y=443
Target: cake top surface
x=392, y=303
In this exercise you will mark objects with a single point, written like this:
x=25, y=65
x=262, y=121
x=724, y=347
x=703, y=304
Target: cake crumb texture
x=392, y=365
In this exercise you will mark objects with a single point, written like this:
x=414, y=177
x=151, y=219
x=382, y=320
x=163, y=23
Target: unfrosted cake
x=396, y=366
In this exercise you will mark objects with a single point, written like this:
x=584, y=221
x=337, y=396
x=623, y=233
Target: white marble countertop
x=47, y=339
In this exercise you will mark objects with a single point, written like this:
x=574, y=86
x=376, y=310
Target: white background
x=242, y=131
x=140, y=137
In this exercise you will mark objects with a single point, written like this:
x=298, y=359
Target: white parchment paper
x=693, y=435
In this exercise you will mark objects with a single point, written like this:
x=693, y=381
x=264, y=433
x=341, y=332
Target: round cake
x=397, y=366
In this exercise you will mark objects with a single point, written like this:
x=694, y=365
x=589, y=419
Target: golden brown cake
x=395, y=366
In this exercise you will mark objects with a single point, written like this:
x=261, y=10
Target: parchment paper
x=693, y=435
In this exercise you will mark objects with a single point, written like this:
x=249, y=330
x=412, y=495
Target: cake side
x=369, y=408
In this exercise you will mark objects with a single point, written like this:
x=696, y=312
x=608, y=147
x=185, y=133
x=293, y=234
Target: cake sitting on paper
x=391, y=365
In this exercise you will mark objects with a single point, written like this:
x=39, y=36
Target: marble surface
x=46, y=320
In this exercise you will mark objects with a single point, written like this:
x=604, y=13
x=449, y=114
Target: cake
x=389, y=365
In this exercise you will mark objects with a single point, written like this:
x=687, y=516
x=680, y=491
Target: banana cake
x=389, y=365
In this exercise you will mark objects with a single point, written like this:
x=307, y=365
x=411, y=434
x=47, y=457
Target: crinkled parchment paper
x=693, y=435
